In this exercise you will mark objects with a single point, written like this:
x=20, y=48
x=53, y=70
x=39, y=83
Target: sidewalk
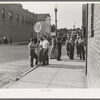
x=58, y=74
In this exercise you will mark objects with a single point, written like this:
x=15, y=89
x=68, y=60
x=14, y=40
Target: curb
x=18, y=78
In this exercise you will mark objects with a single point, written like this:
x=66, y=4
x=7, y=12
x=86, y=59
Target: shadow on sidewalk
x=74, y=60
x=64, y=66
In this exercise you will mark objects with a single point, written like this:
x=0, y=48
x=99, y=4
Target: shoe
x=31, y=66
x=47, y=63
x=36, y=64
x=43, y=64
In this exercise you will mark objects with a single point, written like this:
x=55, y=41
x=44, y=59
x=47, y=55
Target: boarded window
x=22, y=19
x=3, y=13
x=17, y=17
x=10, y=15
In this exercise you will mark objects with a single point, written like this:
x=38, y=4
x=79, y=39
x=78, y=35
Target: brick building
x=45, y=21
x=93, y=47
x=16, y=23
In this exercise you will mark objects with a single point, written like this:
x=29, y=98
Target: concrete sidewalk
x=58, y=74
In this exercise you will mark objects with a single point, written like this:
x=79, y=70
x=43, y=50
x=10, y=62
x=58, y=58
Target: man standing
x=31, y=47
x=59, y=46
x=71, y=48
x=77, y=46
x=53, y=49
x=82, y=49
x=45, y=51
x=41, y=51
x=67, y=46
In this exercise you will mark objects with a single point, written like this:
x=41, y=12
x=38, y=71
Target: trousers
x=41, y=55
x=59, y=51
x=45, y=56
x=32, y=56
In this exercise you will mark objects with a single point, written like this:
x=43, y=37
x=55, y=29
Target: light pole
x=55, y=9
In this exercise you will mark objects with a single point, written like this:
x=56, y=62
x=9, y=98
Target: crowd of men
x=55, y=53
x=80, y=45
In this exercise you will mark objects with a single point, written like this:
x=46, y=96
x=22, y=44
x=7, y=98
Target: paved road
x=16, y=53
x=13, y=53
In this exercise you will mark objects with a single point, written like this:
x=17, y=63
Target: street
x=13, y=53
x=13, y=62
x=16, y=53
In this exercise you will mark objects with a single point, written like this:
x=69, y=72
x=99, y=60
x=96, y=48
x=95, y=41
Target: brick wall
x=93, y=71
x=17, y=30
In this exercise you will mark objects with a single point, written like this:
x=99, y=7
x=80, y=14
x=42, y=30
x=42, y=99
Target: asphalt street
x=13, y=53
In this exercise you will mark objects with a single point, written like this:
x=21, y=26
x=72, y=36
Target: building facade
x=84, y=20
x=45, y=22
x=93, y=45
x=16, y=23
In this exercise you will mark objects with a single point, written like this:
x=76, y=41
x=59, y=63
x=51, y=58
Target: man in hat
x=31, y=47
x=45, y=51
x=59, y=47
x=71, y=48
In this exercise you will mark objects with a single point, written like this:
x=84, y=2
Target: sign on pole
x=37, y=27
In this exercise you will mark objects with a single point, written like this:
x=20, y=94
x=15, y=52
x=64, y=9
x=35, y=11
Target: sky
x=67, y=14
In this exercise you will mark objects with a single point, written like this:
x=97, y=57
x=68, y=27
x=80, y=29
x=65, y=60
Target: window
x=26, y=20
x=32, y=22
x=10, y=15
x=22, y=19
x=3, y=13
x=17, y=17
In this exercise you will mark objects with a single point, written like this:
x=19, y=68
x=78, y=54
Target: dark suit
x=59, y=47
x=71, y=49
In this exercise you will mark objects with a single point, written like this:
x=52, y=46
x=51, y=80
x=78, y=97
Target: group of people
x=42, y=57
x=55, y=53
x=79, y=43
x=5, y=40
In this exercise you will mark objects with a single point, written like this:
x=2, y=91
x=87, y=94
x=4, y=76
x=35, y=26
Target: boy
x=31, y=47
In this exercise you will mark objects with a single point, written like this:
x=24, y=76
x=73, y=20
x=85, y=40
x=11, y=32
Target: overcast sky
x=68, y=13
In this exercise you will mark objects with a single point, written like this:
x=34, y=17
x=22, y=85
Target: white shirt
x=41, y=43
x=45, y=44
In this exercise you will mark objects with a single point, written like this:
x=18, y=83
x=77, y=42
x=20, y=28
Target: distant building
x=91, y=23
x=45, y=21
x=16, y=23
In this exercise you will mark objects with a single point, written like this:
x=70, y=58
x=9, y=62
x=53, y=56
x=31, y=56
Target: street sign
x=37, y=27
